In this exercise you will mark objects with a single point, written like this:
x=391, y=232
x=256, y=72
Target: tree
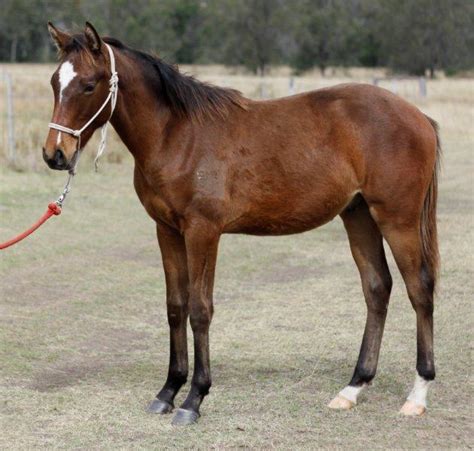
x=321, y=34
x=427, y=35
x=21, y=30
x=362, y=44
x=142, y=24
x=186, y=21
x=407, y=35
x=246, y=32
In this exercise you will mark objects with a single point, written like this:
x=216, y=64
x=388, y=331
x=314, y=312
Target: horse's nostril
x=59, y=157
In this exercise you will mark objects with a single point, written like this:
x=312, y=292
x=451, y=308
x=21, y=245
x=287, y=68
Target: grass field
x=84, y=337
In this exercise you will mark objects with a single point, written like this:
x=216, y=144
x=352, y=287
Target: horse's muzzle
x=58, y=161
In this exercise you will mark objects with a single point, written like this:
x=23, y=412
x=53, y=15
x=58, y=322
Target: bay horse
x=209, y=161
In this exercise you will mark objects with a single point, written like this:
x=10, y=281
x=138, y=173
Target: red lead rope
x=53, y=210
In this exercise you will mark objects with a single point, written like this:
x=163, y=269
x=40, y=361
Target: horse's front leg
x=173, y=253
x=202, y=240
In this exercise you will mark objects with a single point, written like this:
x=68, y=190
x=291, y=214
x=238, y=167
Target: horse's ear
x=93, y=39
x=60, y=38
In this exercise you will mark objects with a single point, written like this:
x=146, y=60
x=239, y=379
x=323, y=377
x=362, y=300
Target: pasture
x=83, y=330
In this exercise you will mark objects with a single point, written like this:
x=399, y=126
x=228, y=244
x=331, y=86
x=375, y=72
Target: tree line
x=408, y=36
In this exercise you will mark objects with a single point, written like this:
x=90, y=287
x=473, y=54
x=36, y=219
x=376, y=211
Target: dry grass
x=83, y=334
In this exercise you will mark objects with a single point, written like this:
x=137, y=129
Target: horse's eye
x=89, y=89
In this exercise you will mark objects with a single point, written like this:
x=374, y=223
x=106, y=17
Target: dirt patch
x=66, y=375
x=102, y=349
x=115, y=341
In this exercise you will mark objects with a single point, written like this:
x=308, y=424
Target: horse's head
x=81, y=86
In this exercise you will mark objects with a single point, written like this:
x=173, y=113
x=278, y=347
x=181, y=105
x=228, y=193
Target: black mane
x=182, y=93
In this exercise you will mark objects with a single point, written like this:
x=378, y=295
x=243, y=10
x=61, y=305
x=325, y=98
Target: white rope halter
x=112, y=98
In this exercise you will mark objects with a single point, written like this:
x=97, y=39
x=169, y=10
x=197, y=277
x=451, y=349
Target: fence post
x=10, y=119
x=422, y=84
x=263, y=91
x=291, y=86
x=394, y=86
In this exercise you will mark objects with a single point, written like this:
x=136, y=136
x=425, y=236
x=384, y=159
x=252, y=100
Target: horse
x=209, y=161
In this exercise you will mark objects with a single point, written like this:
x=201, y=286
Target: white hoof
x=411, y=409
x=341, y=403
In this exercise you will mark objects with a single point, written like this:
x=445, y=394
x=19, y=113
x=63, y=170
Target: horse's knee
x=177, y=313
x=200, y=314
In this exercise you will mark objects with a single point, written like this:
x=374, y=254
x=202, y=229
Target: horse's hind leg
x=419, y=279
x=368, y=252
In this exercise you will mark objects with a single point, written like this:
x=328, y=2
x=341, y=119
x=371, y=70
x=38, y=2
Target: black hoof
x=185, y=417
x=159, y=406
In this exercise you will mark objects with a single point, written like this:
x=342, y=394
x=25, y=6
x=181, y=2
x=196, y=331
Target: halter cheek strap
x=112, y=98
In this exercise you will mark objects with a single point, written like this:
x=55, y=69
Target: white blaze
x=66, y=75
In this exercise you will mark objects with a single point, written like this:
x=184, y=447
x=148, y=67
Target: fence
x=24, y=112
x=28, y=103
x=395, y=82
x=10, y=123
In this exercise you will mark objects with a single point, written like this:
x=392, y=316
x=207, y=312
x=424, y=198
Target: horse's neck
x=138, y=119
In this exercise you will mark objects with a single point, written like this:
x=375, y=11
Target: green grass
x=84, y=337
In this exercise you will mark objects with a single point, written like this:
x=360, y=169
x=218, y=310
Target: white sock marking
x=66, y=75
x=419, y=391
x=351, y=393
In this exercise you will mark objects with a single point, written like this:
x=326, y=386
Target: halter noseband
x=112, y=98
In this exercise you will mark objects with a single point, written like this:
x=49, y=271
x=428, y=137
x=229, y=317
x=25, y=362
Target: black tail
x=429, y=234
